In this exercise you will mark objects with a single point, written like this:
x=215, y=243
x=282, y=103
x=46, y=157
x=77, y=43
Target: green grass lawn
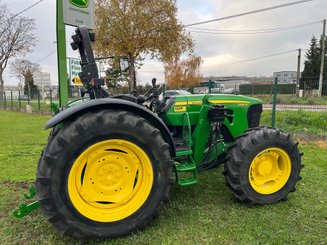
x=310, y=122
x=44, y=106
x=205, y=213
x=291, y=99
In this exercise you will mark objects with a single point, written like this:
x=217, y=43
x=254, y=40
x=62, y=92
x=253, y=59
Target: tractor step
x=186, y=174
x=187, y=181
x=186, y=167
x=182, y=149
x=184, y=153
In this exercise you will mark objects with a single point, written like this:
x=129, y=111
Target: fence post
x=50, y=100
x=19, y=101
x=273, y=118
x=38, y=101
x=4, y=100
x=304, y=88
x=11, y=100
x=209, y=84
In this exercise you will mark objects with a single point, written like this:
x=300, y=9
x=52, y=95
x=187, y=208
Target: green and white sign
x=79, y=13
x=75, y=68
x=80, y=3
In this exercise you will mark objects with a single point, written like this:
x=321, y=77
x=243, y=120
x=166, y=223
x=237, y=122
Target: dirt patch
x=319, y=141
x=17, y=185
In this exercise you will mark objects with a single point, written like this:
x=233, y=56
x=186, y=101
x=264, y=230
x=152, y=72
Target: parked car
x=24, y=97
x=170, y=93
x=231, y=91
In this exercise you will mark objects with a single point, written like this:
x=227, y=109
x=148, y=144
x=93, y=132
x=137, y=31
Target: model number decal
x=179, y=108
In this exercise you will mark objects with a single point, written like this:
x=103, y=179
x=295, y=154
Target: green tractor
x=110, y=160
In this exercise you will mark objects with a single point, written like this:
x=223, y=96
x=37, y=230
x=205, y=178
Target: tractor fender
x=110, y=103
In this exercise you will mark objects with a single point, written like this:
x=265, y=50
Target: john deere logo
x=80, y=3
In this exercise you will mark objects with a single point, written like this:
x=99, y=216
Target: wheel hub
x=113, y=177
x=109, y=174
x=270, y=170
x=110, y=178
x=264, y=166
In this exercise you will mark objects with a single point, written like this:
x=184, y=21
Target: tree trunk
x=132, y=77
x=1, y=85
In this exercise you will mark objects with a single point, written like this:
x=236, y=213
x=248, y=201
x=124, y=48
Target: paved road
x=283, y=107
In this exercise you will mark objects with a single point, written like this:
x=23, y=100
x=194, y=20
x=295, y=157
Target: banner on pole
x=79, y=13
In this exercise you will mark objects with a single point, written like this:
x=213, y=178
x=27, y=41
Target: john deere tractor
x=107, y=168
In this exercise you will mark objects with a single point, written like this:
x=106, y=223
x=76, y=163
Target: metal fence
x=307, y=88
x=283, y=107
x=286, y=105
x=16, y=100
x=288, y=111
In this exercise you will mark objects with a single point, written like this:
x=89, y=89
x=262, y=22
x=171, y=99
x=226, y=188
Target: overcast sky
x=220, y=52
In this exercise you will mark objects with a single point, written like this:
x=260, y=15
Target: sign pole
x=323, y=37
x=273, y=118
x=61, y=56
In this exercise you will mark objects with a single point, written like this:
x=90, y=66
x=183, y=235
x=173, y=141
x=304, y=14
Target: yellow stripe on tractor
x=228, y=102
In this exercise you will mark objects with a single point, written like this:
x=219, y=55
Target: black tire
x=66, y=144
x=245, y=149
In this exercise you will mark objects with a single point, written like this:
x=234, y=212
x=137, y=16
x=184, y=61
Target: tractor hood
x=193, y=102
x=244, y=111
x=231, y=99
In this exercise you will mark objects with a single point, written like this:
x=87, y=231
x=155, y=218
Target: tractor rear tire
x=103, y=175
x=263, y=167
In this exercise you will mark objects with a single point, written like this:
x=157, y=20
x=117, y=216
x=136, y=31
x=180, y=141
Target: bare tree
x=25, y=69
x=16, y=38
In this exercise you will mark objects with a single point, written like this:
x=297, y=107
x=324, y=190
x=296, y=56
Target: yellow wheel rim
x=110, y=180
x=270, y=170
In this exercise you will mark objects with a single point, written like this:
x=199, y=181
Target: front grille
x=254, y=114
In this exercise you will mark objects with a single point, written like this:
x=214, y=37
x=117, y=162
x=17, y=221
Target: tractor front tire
x=103, y=175
x=263, y=167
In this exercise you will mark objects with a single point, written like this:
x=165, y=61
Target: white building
x=285, y=76
x=42, y=81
